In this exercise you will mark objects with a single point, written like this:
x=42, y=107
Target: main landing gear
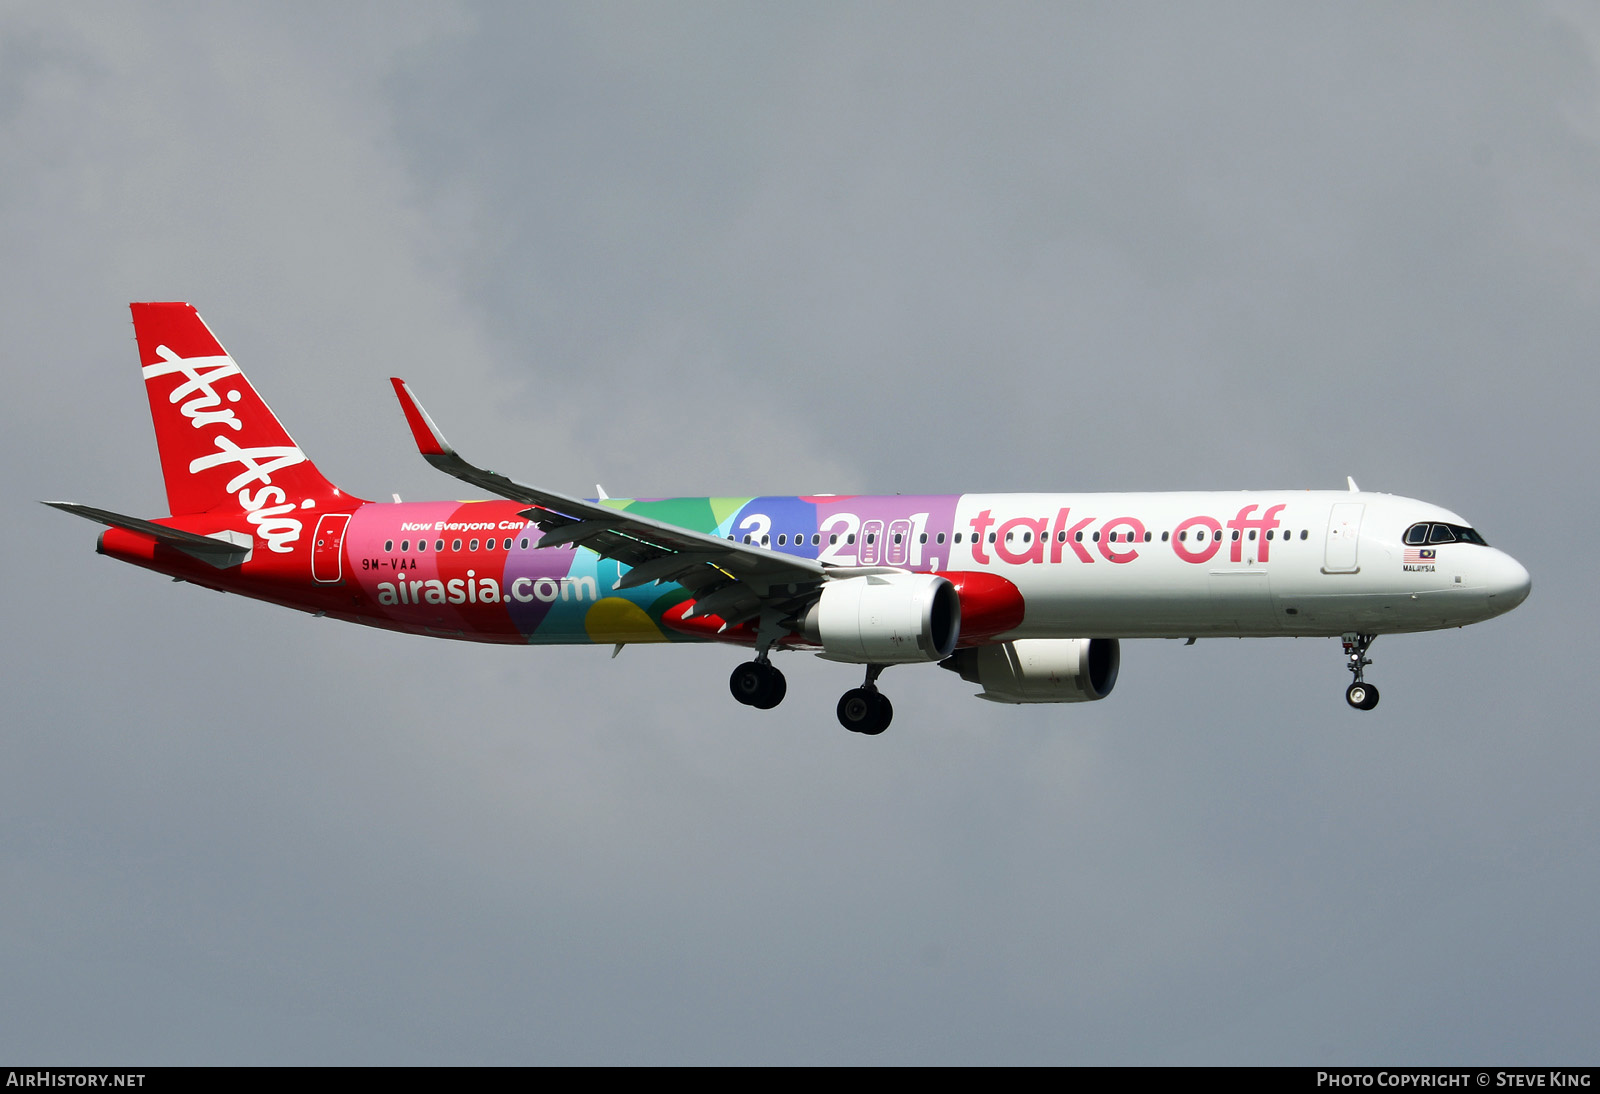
x=1360, y=695
x=758, y=684
x=866, y=709
x=862, y=710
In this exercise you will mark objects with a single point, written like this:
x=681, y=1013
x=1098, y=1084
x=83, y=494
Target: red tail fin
x=221, y=447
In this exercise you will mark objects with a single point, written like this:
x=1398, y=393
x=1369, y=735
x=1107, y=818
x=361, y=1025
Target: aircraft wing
x=731, y=580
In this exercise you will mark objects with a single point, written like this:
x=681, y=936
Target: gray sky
x=692, y=248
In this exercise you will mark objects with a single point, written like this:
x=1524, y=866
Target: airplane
x=1025, y=595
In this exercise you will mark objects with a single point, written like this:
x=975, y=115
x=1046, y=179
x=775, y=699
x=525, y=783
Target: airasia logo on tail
x=267, y=507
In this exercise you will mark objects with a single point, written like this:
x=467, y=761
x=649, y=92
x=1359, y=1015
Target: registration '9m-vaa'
x=1025, y=595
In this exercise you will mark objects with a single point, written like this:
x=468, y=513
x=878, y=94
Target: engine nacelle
x=1041, y=670
x=885, y=619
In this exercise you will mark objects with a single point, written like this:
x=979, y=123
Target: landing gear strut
x=758, y=684
x=865, y=709
x=1360, y=695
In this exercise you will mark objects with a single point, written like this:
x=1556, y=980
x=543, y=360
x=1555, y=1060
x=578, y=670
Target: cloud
x=708, y=250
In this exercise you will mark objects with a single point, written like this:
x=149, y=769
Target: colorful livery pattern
x=1026, y=595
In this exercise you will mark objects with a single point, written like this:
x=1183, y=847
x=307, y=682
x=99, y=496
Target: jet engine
x=885, y=619
x=1041, y=670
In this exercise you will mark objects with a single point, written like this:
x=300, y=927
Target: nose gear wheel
x=1360, y=694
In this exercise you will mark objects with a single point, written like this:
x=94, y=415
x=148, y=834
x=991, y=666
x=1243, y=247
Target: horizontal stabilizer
x=222, y=550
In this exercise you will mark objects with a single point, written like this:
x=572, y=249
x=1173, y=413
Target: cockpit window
x=1437, y=532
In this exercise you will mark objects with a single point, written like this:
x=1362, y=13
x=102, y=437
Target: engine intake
x=885, y=619
x=1041, y=670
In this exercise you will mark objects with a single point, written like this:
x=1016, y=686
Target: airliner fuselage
x=1025, y=594
x=1178, y=565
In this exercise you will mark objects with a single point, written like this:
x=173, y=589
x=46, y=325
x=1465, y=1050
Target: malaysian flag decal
x=1420, y=554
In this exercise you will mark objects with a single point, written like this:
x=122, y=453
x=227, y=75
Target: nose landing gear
x=1360, y=695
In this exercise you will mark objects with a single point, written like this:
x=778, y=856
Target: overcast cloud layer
x=740, y=249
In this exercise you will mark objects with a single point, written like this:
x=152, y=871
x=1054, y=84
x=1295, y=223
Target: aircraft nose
x=1509, y=583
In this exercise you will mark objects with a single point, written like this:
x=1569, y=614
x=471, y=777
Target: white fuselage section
x=1244, y=563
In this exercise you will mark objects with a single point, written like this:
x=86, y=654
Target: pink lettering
x=1213, y=530
x=1135, y=528
x=980, y=524
x=1028, y=529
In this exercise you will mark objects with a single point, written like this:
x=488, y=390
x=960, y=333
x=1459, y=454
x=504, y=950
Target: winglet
x=1351, y=479
x=430, y=442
